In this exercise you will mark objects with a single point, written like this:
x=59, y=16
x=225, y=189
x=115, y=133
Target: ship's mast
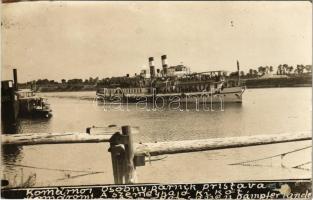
x=238, y=69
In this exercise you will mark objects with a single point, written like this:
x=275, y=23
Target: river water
x=263, y=111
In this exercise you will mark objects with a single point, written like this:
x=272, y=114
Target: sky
x=65, y=40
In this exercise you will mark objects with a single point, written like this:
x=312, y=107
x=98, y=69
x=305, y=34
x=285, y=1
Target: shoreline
x=248, y=87
x=280, y=86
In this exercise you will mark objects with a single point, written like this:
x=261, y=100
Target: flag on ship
x=237, y=65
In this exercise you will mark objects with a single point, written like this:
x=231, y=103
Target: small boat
x=32, y=105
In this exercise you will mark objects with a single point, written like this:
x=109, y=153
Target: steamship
x=173, y=83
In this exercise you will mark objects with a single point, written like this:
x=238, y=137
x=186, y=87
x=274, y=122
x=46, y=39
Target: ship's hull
x=34, y=107
x=227, y=95
x=42, y=113
x=37, y=114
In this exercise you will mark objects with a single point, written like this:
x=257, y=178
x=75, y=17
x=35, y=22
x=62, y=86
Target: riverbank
x=279, y=82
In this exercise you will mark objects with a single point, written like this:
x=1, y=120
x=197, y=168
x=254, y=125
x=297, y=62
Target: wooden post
x=122, y=153
x=130, y=176
x=118, y=163
x=117, y=150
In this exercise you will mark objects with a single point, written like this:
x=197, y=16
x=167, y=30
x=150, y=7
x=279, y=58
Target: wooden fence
x=126, y=155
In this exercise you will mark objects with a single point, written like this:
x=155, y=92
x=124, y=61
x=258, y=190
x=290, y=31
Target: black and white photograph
x=156, y=99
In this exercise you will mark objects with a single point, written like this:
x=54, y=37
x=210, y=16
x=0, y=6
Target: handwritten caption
x=242, y=190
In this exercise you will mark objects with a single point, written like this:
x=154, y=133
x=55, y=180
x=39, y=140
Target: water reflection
x=12, y=154
x=9, y=127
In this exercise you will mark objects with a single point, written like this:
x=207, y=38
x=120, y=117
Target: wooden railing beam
x=53, y=138
x=174, y=147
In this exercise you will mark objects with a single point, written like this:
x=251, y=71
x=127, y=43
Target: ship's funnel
x=164, y=64
x=151, y=65
x=151, y=61
x=164, y=61
x=15, y=79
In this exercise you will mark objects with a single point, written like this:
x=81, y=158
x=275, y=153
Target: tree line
x=75, y=81
x=282, y=69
